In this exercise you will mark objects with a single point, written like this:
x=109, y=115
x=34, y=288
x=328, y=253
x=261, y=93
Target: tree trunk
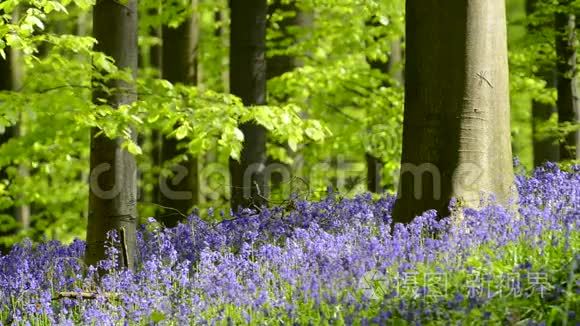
x=7, y=84
x=277, y=66
x=248, y=81
x=375, y=164
x=281, y=64
x=155, y=60
x=568, y=107
x=179, y=59
x=113, y=179
x=10, y=80
x=545, y=148
x=456, y=133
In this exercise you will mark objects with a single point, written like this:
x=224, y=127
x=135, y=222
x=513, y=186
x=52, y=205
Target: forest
x=300, y=162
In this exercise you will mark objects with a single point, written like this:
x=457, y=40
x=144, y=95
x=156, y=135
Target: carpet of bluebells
x=337, y=261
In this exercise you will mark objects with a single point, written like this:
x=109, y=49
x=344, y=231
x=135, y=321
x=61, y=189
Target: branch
x=83, y=295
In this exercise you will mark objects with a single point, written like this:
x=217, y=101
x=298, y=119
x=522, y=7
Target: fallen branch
x=82, y=295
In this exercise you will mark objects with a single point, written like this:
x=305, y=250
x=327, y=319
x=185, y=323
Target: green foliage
x=532, y=59
x=55, y=111
x=323, y=115
x=335, y=83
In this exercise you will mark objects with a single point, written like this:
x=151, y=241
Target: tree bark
x=281, y=64
x=545, y=148
x=155, y=61
x=10, y=80
x=113, y=179
x=456, y=133
x=179, y=59
x=248, y=81
x=7, y=84
x=568, y=107
x=277, y=66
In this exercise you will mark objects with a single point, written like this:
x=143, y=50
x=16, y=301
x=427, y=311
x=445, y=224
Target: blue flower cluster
x=336, y=261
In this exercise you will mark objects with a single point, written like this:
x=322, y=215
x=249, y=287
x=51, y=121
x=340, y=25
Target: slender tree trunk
x=7, y=84
x=545, y=148
x=281, y=64
x=151, y=58
x=375, y=164
x=10, y=80
x=113, y=179
x=222, y=17
x=155, y=61
x=248, y=81
x=568, y=106
x=456, y=133
x=179, y=66
x=277, y=66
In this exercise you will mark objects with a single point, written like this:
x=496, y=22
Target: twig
x=165, y=207
x=82, y=295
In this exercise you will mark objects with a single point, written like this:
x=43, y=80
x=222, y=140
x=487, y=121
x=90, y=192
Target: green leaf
x=153, y=118
x=58, y=6
x=293, y=143
x=181, y=132
x=157, y=316
x=101, y=61
x=36, y=21
x=238, y=134
x=134, y=149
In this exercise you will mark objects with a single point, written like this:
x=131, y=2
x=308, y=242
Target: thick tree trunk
x=456, y=133
x=113, y=180
x=568, y=106
x=375, y=164
x=248, y=81
x=181, y=190
x=545, y=148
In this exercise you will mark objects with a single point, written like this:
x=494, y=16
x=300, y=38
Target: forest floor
x=328, y=262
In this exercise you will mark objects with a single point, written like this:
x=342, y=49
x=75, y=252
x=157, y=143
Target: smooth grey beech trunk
x=180, y=190
x=545, y=148
x=566, y=84
x=456, y=133
x=248, y=81
x=113, y=179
